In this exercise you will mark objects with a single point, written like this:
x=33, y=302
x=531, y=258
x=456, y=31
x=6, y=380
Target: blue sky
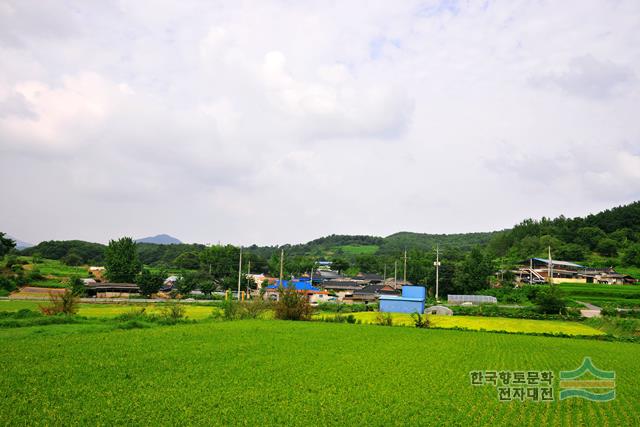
x=271, y=122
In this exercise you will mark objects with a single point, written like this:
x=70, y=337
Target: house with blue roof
x=314, y=295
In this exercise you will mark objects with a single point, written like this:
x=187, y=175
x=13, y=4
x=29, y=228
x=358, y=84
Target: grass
x=292, y=373
x=477, y=323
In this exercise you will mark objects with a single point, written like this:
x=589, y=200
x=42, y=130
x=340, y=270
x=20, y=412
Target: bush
x=72, y=259
x=384, y=319
x=65, y=303
x=420, y=320
x=337, y=307
x=7, y=284
x=35, y=274
x=234, y=310
x=77, y=286
x=253, y=309
x=339, y=318
x=292, y=305
x=172, y=312
x=550, y=301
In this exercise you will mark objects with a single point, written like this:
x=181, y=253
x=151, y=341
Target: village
x=386, y=294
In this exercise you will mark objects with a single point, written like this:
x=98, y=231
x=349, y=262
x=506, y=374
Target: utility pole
x=311, y=273
x=281, y=264
x=550, y=268
x=384, y=277
x=437, y=264
x=395, y=275
x=405, y=266
x=239, y=273
x=248, y=275
x=531, y=271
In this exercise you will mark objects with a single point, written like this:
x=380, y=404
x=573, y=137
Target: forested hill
x=464, y=241
x=610, y=237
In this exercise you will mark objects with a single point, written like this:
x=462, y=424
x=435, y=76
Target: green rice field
x=293, y=373
x=615, y=295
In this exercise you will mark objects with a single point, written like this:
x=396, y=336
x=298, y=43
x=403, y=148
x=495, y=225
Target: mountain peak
x=160, y=239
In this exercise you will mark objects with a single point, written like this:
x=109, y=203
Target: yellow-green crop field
x=193, y=311
x=269, y=372
x=477, y=323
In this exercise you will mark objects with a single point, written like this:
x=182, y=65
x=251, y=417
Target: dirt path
x=591, y=310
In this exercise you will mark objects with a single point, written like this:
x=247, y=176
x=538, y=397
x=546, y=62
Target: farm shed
x=474, y=299
x=439, y=310
x=411, y=301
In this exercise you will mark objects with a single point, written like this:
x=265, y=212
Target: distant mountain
x=21, y=244
x=160, y=239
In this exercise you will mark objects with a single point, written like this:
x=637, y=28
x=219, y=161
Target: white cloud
x=277, y=121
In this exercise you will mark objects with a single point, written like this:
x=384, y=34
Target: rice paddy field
x=267, y=372
x=600, y=295
x=477, y=323
x=193, y=311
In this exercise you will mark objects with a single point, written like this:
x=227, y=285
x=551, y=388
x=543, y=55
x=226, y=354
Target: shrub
x=420, y=320
x=7, y=284
x=61, y=303
x=384, y=319
x=172, y=312
x=35, y=274
x=72, y=259
x=550, y=301
x=77, y=286
x=254, y=308
x=292, y=305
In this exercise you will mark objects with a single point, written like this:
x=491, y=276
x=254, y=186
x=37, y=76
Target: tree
x=207, y=286
x=187, y=283
x=72, y=259
x=6, y=245
x=571, y=252
x=551, y=301
x=221, y=264
x=188, y=260
x=339, y=264
x=631, y=256
x=473, y=272
x=122, y=263
x=607, y=247
x=149, y=283
x=77, y=286
x=589, y=236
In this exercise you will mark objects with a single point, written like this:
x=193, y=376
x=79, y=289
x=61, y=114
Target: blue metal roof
x=553, y=261
x=299, y=286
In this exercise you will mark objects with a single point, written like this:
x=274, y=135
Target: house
x=301, y=286
x=537, y=270
x=613, y=278
x=112, y=290
x=368, y=278
x=342, y=288
x=411, y=301
x=370, y=294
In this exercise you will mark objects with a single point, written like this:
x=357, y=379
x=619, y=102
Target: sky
x=275, y=122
